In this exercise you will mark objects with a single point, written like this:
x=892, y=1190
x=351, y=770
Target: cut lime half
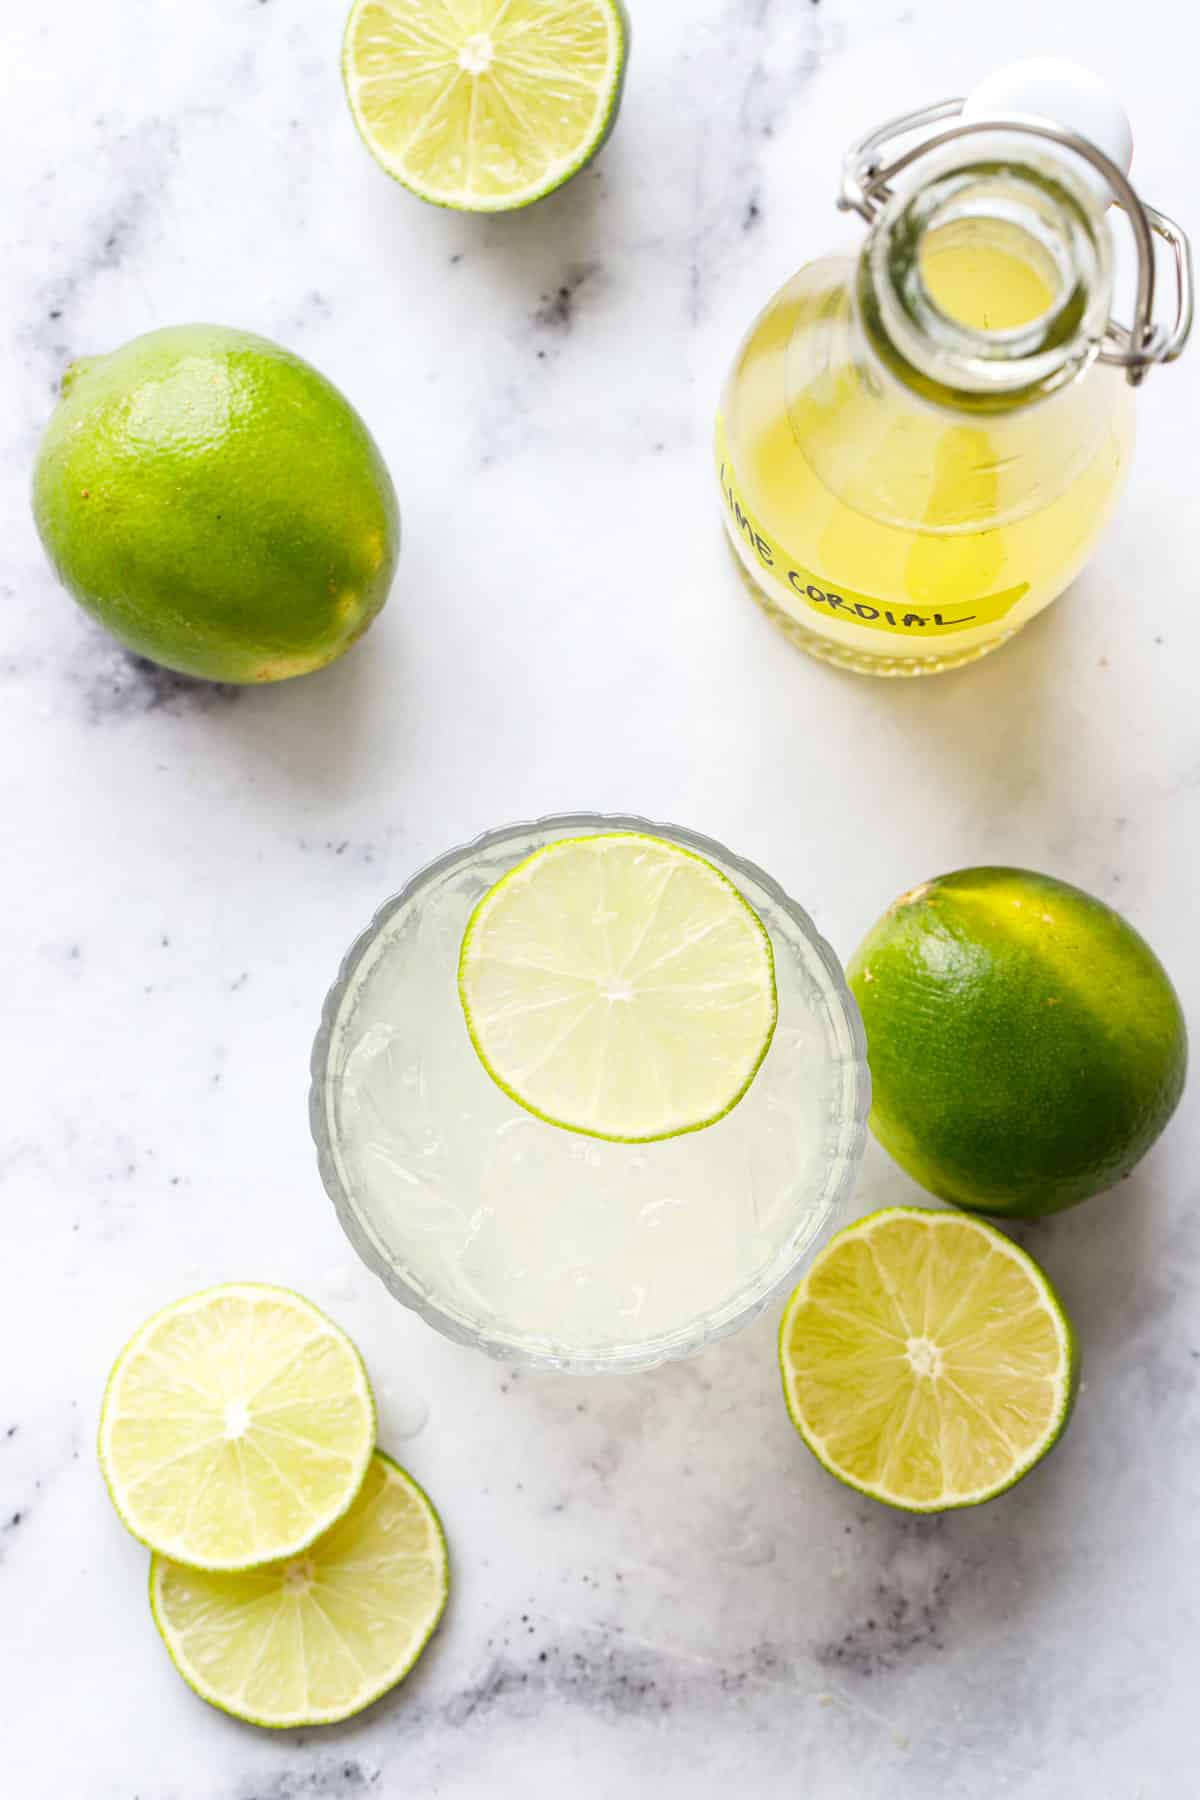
x=486, y=105
x=926, y=1360
x=317, y=1637
x=237, y=1426
x=619, y=986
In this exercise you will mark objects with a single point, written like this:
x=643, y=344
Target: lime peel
x=217, y=505
x=1074, y=1036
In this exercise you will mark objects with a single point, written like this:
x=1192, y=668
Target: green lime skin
x=217, y=504
x=1026, y=1045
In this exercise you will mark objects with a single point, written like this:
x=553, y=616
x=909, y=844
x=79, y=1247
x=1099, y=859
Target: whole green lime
x=1026, y=1045
x=217, y=504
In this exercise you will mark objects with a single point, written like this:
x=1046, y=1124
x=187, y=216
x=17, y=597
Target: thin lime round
x=217, y=504
x=317, y=1637
x=487, y=107
x=1026, y=1045
x=926, y=1360
x=619, y=986
x=237, y=1426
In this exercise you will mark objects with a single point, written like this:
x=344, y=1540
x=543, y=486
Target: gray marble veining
x=657, y=1591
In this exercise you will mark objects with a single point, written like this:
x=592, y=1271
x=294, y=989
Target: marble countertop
x=658, y=1592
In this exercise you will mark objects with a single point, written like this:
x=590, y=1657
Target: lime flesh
x=237, y=1426
x=619, y=986
x=926, y=1360
x=317, y=1637
x=486, y=106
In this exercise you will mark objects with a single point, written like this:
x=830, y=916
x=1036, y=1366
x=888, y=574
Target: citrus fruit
x=619, y=986
x=237, y=1426
x=217, y=504
x=488, y=106
x=1026, y=1046
x=316, y=1637
x=926, y=1360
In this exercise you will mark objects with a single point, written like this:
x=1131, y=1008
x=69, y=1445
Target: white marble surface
x=657, y=1591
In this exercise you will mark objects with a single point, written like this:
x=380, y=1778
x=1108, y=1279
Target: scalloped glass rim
x=842, y=1165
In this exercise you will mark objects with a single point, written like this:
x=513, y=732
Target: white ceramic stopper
x=1065, y=94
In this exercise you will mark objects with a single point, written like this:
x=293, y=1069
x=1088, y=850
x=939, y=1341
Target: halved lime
x=619, y=986
x=488, y=105
x=316, y=1637
x=237, y=1426
x=927, y=1361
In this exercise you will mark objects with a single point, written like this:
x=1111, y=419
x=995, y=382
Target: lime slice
x=487, y=106
x=619, y=986
x=926, y=1360
x=313, y=1638
x=237, y=1426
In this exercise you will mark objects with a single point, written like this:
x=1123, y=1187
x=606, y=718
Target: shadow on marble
x=318, y=733
x=1119, y=1258
x=322, y=733
x=1000, y=753
x=525, y=250
x=994, y=720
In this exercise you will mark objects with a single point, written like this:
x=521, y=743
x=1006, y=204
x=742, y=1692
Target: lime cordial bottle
x=918, y=447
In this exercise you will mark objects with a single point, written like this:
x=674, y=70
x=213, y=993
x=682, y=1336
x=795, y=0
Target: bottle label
x=801, y=590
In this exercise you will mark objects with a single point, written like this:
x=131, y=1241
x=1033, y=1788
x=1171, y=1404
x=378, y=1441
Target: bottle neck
x=989, y=285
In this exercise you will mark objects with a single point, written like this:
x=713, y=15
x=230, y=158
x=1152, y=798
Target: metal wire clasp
x=866, y=186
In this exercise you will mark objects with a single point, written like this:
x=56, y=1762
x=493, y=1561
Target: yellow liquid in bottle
x=983, y=285
x=889, y=533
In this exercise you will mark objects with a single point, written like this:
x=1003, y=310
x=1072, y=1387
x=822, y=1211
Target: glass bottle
x=919, y=447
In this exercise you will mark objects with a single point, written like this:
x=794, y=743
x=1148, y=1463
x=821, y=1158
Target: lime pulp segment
x=484, y=105
x=926, y=1359
x=236, y=1427
x=619, y=986
x=314, y=1638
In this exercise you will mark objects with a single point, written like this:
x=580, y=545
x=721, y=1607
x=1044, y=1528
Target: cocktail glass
x=537, y=1244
